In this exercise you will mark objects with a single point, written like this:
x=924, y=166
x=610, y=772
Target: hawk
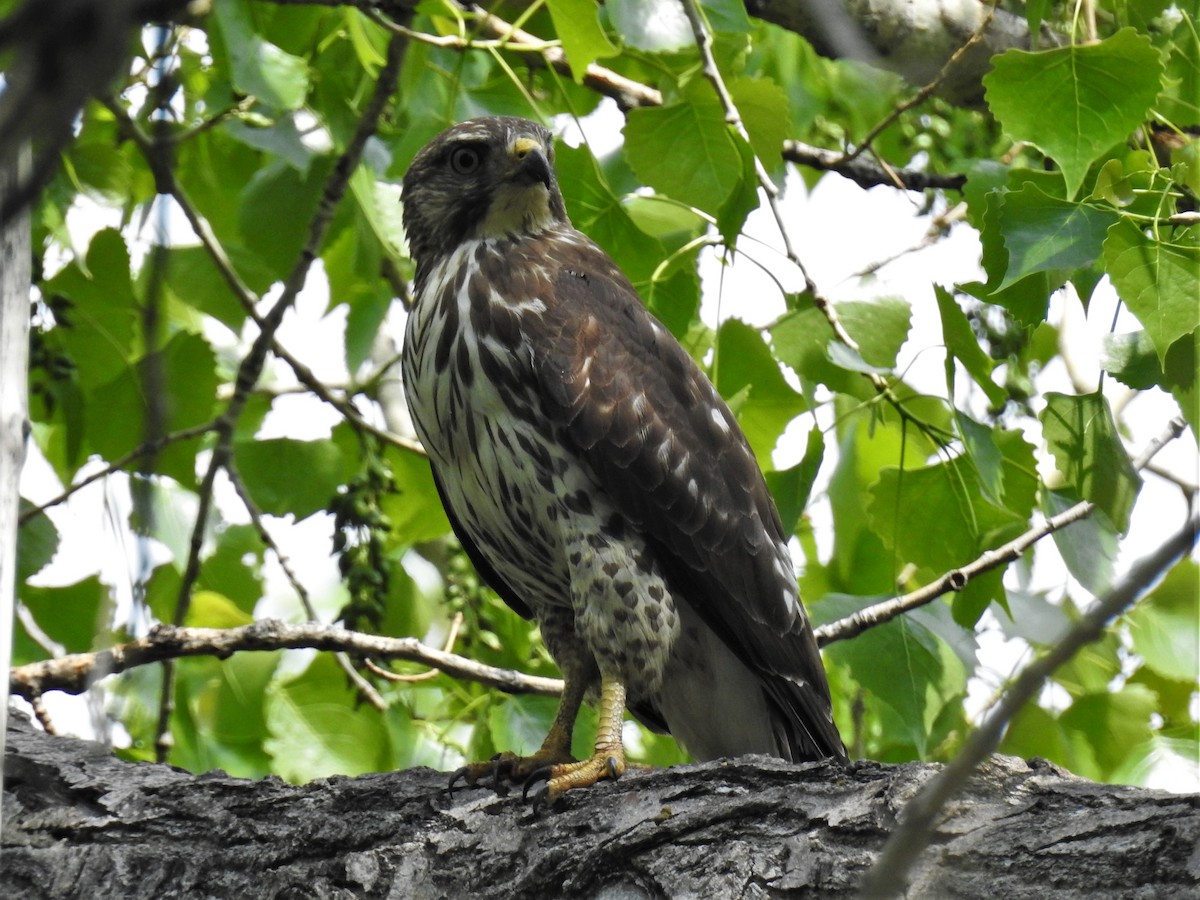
x=594, y=476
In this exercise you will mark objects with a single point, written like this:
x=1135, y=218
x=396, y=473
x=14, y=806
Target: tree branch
x=84, y=824
x=76, y=672
x=889, y=875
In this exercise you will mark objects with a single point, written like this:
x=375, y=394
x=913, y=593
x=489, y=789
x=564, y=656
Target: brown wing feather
x=665, y=447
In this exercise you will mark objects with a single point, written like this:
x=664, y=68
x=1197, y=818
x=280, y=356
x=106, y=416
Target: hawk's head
x=482, y=178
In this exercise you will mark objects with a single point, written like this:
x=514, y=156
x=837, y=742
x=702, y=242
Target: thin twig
x=957, y=579
x=888, y=876
x=927, y=91
x=149, y=448
x=74, y=673
x=447, y=647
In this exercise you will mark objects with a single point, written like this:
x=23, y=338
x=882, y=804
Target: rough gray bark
x=82, y=824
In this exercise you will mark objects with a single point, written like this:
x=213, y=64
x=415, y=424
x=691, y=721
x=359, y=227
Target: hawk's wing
x=665, y=447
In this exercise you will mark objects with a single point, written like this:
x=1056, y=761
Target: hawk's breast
x=468, y=377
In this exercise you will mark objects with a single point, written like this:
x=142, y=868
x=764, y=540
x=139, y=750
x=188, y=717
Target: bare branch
x=888, y=875
x=957, y=579
x=867, y=174
x=73, y=674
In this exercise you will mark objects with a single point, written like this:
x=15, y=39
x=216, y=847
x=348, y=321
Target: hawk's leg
x=608, y=760
x=555, y=750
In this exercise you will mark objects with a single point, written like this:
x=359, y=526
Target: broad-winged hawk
x=593, y=474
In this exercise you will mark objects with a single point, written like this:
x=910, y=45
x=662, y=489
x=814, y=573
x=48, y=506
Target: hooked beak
x=530, y=165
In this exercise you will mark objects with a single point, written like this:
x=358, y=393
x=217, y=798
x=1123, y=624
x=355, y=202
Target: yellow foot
x=604, y=764
x=507, y=768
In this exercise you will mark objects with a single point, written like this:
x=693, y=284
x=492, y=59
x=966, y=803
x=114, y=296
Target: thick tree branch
x=889, y=876
x=76, y=672
x=84, y=824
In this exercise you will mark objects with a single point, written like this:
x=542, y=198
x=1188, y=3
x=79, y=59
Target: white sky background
x=838, y=229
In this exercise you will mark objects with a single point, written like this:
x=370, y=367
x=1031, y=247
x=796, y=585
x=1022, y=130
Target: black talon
x=611, y=764
x=539, y=799
x=540, y=774
x=454, y=777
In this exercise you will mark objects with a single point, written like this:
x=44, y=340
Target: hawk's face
x=483, y=178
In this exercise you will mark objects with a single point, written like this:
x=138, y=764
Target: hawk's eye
x=465, y=160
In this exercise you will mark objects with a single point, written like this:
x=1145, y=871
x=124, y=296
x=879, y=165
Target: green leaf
x=766, y=114
x=1043, y=233
x=346, y=258
x=744, y=363
x=287, y=200
x=902, y=663
x=802, y=339
x=519, y=724
x=599, y=213
x=1165, y=626
x=74, y=615
x=1113, y=724
x=258, y=67
x=1075, y=102
x=879, y=326
x=415, y=510
x=37, y=542
x=577, y=24
x=98, y=326
x=1088, y=547
x=731, y=218
x=1082, y=435
x=195, y=280
x=963, y=345
x=1132, y=360
x=225, y=703
x=791, y=487
x=285, y=476
x=233, y=569
x=318, y=728
x=938, y=516
x=1036, y=732
x=1092, y=669
x=727, y=16
x=208, y=609
x=685, y=150
x=183, y=381
x=1158, y=281
x=1178, y=102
